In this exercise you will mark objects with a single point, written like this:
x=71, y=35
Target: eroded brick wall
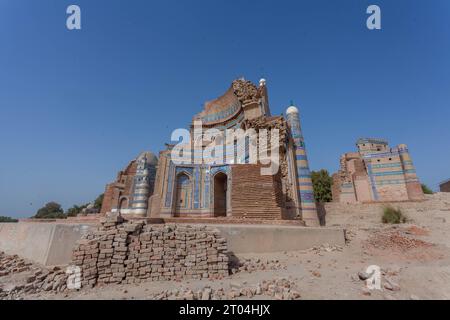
x=255, y=196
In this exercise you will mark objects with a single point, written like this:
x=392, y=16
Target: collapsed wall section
x=130, y=252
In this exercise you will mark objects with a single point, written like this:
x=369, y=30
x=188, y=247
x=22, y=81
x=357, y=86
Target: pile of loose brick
x=395, y=240
x=31, y=278
x=279, y=289
x=130, y=252
x=252, y=265
x=12, y=264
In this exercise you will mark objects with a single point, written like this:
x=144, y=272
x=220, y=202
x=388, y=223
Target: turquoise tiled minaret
x=305, y=192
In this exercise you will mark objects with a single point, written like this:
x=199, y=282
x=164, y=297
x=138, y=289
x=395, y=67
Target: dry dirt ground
x=414, y=259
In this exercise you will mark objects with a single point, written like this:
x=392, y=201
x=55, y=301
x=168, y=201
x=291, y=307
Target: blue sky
x=76, y=106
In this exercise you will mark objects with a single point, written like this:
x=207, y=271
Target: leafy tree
x=426, y=190
x=51, y=210
x=99, y=201
x=7, y=219
x=75, y=210
x=322, y=185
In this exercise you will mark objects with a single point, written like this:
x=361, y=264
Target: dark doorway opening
x=220, y=195
x=123, y=204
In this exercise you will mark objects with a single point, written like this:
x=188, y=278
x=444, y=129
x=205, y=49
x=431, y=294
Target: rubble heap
x=35, y=278
x=251, y=265
x=130, y=252
x=396, y=240
x=12, y=264
x=279, y=289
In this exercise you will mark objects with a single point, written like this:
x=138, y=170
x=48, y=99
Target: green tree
x=51, y=210
x=99, y=201
x=74, y=211
x=322, y=185
x=426, y=190
x=7, y=219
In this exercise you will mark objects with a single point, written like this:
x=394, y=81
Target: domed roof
x=292, y=109
x=150, y=158
x=230, y=104
x=220, y=109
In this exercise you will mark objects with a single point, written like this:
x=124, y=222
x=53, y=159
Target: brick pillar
x=307, y=204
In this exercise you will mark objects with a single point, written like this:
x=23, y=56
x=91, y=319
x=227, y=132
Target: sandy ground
x=414, y=258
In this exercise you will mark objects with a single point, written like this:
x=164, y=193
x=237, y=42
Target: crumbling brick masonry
x=131, y=252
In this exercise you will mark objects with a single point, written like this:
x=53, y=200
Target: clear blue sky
x=76, y=106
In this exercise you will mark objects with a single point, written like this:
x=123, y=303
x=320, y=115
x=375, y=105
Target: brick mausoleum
x=158, y=188
x=376, y=173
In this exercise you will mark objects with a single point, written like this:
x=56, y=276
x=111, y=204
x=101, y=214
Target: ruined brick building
x=132, y=187
x=161, y=188
x=376, y=172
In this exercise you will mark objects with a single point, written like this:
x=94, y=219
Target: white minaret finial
x=292, y=108
x=262, y=82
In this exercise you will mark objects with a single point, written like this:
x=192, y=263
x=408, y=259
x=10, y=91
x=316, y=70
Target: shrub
x=322, y=185
x=393, y=216
x=426, y=190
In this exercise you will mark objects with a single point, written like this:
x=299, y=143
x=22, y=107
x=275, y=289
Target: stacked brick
x=256, y=196
x=131, y=252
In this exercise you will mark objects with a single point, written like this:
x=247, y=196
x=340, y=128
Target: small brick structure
x=132, y=251
x=445, y=186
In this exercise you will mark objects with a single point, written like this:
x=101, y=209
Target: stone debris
x=391, y=271
x=363, y=275
x=349, y=235
x=366, y=292
x=131, y=252
x=417, y=231
x=39, y=279
x=251, y=265
x=325, y=248
x=280, y=289
x=390, y=284
x=387, y=281
x=396, y=240
x=12, y=264
x=316, y=274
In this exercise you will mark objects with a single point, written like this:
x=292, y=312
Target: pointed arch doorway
x=123, y=205
x=182, y=194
